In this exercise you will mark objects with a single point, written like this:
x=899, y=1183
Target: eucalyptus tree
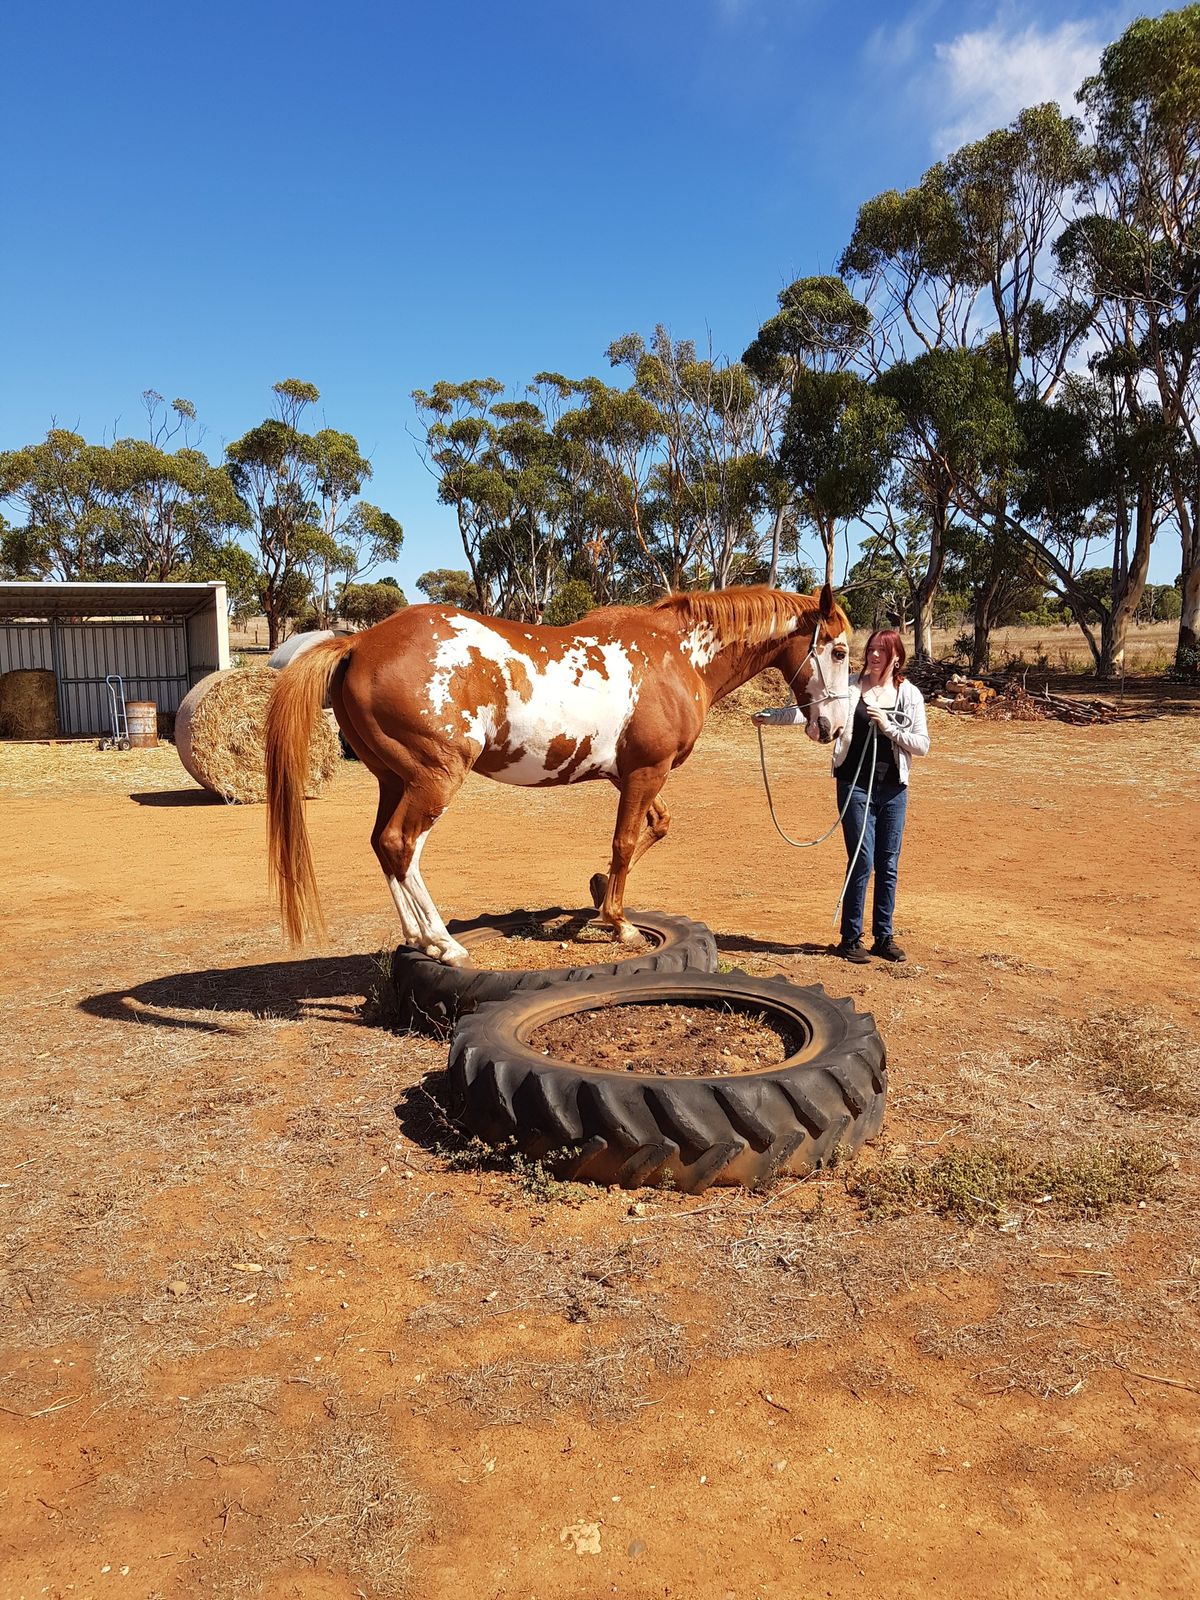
x=1093, y=473
x=613, y=438
x=1139, y=248
x=713, y=477
x=957, y=427
x=365, y=604
x=457, y=434
x=498, y=463
x=177, y=511
x=908, y=251
x=1010, y=192
x=299, y=494
x=68, y=493
x=839, y=430
x=269, y=468
x=448, y=586
x=346, y=536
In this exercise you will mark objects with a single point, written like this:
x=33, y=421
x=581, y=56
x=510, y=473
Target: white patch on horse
x=420, y=921
x=828, y=688
x=701, y=644
x=567, y=697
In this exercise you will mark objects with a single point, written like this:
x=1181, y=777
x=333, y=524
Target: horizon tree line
x=999, y=390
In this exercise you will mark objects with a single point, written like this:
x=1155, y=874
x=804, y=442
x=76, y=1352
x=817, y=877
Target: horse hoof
x=598, y=887
x=627, y=933
x=450, y=955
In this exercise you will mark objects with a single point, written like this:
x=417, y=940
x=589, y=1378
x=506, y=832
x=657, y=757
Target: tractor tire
x=641, y=1130
x=430, y=996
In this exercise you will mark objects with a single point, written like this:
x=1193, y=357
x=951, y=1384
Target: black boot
x=888, y=949
x=852, y=950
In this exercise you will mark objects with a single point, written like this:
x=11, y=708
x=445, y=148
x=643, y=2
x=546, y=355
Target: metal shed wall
x=152, y=658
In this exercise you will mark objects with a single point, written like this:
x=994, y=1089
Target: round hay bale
x=220, y=734
x=29, y=704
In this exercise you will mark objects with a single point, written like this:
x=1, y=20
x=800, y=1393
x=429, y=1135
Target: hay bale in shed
x=221, y=732
x=29, y=704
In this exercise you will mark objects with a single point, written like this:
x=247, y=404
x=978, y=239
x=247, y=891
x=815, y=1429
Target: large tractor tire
x=433, y=996
x=638, y=1129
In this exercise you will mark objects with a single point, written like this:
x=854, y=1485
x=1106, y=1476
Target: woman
x=887, y=712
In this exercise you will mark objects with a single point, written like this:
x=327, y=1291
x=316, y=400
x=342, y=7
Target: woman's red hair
x=894, y=645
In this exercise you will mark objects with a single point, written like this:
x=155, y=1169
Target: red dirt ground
x=261, y=1337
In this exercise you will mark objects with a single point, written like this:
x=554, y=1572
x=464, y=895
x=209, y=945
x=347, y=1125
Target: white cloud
x=981, y=80
x=892, y=46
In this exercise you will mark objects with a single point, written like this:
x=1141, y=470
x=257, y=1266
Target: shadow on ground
x=324, y=988
x=176, y=797
x=739, y=944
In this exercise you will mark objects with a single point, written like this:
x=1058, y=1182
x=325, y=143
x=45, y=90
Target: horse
x=433, y=693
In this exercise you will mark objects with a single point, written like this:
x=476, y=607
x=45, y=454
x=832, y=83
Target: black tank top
x=858, y=757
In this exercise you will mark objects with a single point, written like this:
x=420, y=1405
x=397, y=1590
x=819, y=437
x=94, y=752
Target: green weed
x=980, y=1183
x=534, y=1177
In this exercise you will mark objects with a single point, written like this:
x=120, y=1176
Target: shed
x=160, y=637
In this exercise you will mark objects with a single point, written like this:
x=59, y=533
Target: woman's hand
x=877, y=715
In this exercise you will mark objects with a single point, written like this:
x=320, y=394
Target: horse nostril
x=824, y=729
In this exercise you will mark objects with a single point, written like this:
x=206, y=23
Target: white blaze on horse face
x=827, y=688
x=565, y=700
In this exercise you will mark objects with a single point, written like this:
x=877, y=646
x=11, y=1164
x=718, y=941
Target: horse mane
x=749, y=613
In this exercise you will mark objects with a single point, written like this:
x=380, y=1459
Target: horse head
x=816, y=663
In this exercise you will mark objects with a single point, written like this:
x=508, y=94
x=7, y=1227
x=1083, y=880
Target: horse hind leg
x=658, y=822
x=402, y=826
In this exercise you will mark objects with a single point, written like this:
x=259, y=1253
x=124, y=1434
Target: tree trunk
x=1128, y=592
x=923, y=596
x=1003, y=556
x=272, y=628
x=776, y=540
x=1187, y=512
x=1187, y=649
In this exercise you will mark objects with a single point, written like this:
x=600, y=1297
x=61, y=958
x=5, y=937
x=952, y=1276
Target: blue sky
x=206, y=199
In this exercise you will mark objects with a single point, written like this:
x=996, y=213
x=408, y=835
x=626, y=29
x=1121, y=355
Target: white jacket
x=909, y=741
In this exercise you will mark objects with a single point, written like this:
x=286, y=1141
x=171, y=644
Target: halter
x=826, y=692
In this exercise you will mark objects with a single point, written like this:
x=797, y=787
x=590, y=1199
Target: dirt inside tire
x=566, y=939
x=669, y=1040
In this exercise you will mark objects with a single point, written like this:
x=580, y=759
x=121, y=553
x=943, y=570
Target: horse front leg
x=642, y=820
x=402, y=825
x=658, y=822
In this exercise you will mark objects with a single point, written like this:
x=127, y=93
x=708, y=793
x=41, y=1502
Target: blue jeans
x=880, y=852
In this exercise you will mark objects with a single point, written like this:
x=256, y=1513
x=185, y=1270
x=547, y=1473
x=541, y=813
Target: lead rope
x=901, y=720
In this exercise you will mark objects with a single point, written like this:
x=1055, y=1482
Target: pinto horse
x=433, y=693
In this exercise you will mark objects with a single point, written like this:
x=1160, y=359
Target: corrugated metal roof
x=81, y=600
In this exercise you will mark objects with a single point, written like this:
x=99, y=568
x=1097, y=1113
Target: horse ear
x=826, y=602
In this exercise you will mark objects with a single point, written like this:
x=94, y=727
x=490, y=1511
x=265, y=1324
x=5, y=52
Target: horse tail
x=294, y=706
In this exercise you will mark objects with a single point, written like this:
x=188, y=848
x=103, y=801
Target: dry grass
x=1149, y=647
x=1140, y=1061
x=358, y=1515
x=576, y=1282
x=613, y=1382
